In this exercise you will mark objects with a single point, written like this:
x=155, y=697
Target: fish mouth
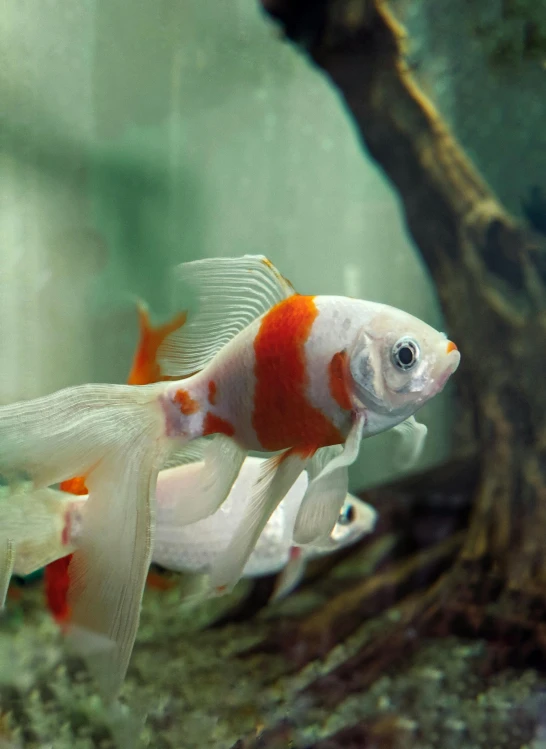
x=444, y=377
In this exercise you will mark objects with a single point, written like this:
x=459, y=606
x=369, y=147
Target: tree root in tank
x=490, y=272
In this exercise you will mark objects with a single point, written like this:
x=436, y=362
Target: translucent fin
x=194, y=588
x=115, y=436
x=276, y=477
x=7, y=559
x=326, y=493
x=35, y=521
x=196, y=494
x=49, y=439
x=321, y=459
x=412, y=436
x=108, y=570
x=291, y=576
x=231, y=293
x=192, y=452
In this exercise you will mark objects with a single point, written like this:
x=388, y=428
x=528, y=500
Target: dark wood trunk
x=490, y=274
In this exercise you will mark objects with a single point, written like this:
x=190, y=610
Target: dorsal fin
x=230, y=294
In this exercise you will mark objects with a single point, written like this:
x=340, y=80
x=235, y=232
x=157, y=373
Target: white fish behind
x=197, y=547
x=45, y=525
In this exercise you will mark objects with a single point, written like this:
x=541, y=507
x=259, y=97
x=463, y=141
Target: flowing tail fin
x=33, y=524
x=145, y=370
x=114, y=435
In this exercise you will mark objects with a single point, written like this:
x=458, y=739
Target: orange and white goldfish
x=260, y=367
x=181, y=548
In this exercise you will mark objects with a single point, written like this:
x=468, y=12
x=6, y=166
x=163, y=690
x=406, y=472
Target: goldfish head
x=355, y=520
x=398, y=362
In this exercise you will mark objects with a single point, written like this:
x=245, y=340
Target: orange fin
x=159, y=582
x=145, y=369
x=14, y=593
x=56, y=577
x=56, y=582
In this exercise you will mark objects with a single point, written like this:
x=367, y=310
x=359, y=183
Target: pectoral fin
x=326, y=493
x=276, y=477
x=291, y=576
x=200, y=488
x=412, y=437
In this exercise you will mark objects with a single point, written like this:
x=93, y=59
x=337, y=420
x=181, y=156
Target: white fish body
x=196, y=547
x=46, y=525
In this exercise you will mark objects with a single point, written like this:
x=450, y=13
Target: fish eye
x=405, y=353
x=347, y=515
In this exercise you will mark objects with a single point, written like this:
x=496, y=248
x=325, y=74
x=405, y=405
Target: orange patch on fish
x=451, y=347
x=212, y=392
x=337, y=383
x=186, y=403
x=304, y=452
x=146, y=369
x=74, y=486
x=282, y=415
x=157, y=581
x=215, y=425
x=56, y=583
x=56, y=575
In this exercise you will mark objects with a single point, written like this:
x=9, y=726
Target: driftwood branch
x=490, y=274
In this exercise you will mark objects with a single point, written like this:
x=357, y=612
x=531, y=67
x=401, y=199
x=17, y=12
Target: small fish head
x=398, y=362
x=355, y=520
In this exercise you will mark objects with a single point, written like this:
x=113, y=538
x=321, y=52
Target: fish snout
x=453, y=355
